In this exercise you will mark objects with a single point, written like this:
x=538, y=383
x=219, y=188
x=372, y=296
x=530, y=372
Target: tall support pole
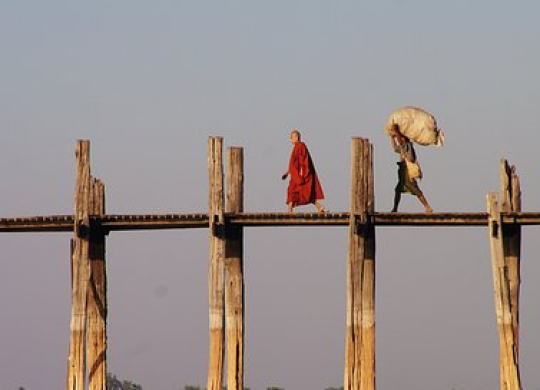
x=216, y=263
x=509, y=368
x=506, y=257
x=234, y=266
x=360, y=334
x=511, y=202
x=97, y=296
x=80, y=265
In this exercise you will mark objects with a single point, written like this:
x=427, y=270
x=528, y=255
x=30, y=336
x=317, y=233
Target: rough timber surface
x=121, y=222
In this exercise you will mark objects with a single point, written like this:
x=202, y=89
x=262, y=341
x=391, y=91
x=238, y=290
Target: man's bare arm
x=394, y=144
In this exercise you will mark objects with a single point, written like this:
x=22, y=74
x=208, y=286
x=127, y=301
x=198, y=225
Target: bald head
x=295, y=136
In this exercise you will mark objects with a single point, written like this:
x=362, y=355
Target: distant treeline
x=113, y=383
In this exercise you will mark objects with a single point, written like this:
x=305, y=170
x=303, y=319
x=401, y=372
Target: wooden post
x=511, y=202
x=509, y=369
x=360, y=336
x=506, y=256
x=76, y=376
x=216, y=263
x=234, y=271
x=97, y=297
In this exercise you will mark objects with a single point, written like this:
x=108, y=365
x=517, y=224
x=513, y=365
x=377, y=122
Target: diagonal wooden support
x=360, y=333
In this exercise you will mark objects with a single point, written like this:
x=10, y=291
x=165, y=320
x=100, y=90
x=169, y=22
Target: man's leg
x=425, y=203
x=290, y=207
x=397, y=198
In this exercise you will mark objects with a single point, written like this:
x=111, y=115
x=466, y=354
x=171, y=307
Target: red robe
x=304, y=186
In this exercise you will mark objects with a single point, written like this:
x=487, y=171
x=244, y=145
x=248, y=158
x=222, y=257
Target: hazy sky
x=148, y=81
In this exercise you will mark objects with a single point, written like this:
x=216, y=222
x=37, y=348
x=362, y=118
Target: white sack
x=416, y=124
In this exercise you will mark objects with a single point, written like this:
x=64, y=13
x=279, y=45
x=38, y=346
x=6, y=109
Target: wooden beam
x=216, y=263
x=360, y=333
x=459, y=219
x=234, y=266
x=119, y=222
x=97, y=296
x=76, y=377
x=509, y=369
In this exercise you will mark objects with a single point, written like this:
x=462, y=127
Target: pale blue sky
x=148, y=81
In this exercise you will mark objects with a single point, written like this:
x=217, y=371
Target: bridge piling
x=216, y=266
x=97, y=297
x=234, y=272
x=88, y=337
x=360, y=331
x=505, y=244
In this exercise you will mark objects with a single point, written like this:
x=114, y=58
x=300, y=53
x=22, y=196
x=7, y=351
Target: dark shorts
x=405, y=183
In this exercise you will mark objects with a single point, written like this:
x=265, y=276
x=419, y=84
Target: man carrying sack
x=405, y=125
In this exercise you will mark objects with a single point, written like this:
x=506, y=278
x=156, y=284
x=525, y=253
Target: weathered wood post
x=216, y=263
x=80, y=266
x=511, y=202
x=88, y=334
x=234, y=267
x=88, y=338
x=97, y=296
x=505, y=242
x=360, y=336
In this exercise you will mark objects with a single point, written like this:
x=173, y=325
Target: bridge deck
x=122, y=222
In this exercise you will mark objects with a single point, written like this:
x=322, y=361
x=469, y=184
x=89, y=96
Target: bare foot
x=320, y=208
x=429, y=210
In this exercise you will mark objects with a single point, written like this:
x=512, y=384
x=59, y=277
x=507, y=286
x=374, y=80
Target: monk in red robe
x=304, y=186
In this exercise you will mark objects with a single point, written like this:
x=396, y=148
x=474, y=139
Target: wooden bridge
x=125, y=222
x=87, y=361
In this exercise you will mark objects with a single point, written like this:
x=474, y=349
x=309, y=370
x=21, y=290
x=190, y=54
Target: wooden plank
x=97, y=297
x=76, y=377
x=288, y=219
x=154, y=222
x=436, y=219
x=376, y=218
x=216, y=264
x=360, y=331
x=234, y=263
x=509, y=372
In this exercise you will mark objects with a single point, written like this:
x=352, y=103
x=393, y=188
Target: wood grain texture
x=234, y=271
x=509, y=280
x=216, y=270
x=360, y=332
x=76, y=377
x=88, y=334
x=97, y=297
x=509, y=370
